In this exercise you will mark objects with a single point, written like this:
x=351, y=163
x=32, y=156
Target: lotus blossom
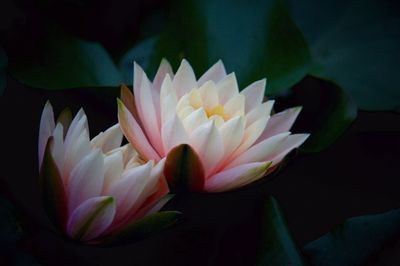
x=230, y=136
x=95, y=188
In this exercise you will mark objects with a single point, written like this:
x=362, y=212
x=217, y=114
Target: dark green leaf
x=3, y=65
x=52, y=189
x=183, y=169
x=65, y=61
x=355, y=241
x=355, y=43
x=277, y=246
x=256, y=40
x=327, y=111
x=143, y=228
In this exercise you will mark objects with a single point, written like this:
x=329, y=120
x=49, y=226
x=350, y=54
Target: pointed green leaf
x=143, y=228
x=355, y=44
x=277, y=246
x=65, y=61
x=52, y=189
x=355, y=241
x=183, y=169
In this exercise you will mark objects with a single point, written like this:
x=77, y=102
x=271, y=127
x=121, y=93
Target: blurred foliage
x=355, y=43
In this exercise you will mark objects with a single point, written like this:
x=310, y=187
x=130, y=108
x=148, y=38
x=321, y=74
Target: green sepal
x=184, y=170
x=52, y=189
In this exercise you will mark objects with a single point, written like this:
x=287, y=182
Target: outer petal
x=280, y=122
x=58, y=147
x=91, y=218
x=164, y=69
x=236, y=177
x=173, y=134
x=78, y=125
x=227, y=88
x=184, y=80
x=46, y=129
x=108, y=140
x=232, y=133
x=86, y=179
x=113, y=167
x=292, y=142
x=134, y=133
x=259, y=152
x=261, y=110
x=214, y=73
x=207, y=142
x=254, y=94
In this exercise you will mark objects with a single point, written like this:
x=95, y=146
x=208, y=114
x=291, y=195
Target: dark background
x=357, y=175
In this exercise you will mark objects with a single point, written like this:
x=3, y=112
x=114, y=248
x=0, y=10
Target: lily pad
x=255, y=40
x=355, y=241
x=64, y=61
x=355, y=44
x=277, y=246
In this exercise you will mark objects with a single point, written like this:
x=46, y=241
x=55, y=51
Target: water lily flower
x=226, y=138
x=94, y=189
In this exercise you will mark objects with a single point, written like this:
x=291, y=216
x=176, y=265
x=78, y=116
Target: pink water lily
x=98, y=186
x=232, y=133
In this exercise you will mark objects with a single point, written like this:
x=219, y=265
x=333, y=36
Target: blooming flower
x=230, y=132
x=94, y=188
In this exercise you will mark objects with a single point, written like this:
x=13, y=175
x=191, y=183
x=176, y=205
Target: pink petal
x=292, y=142
x=86, y=179
x=173, y=134
x=91, y=218
x=134, y=133
x=46, y=129
x=259, y=111
x=254, y=94
x=108, y=140
x=113, y=167
x=259, y=152
x=236, y=177
x=280, y=122
x=164, y=69
x=214, y=73
x=184, y=80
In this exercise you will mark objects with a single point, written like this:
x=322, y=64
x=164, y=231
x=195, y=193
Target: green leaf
x=277, y=246
x=143, y=228
x=3, y=66
x=355, y=241
x=52, y=189
x=256, y=40
x=355, y=44
x=183, y=169
x=65, y=61
x=327, y=112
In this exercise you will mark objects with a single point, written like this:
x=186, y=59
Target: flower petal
x=108, y=140
x=91, y=218
x=46, y=129
x=184, y=80
x=164, y=69
x=256, y=113
x=214, y=73
x=227, y=88
x=173, y=133
x=113, y=167
x=292, y=142
x=236, y=177
x=86, y=179
x=280, y=122
x=259, y=152
x=134, y=133
x=235, y=106
x=254, y=94
x=194, y=120
x=129, y=101
x=209, y=95
x=207, y=142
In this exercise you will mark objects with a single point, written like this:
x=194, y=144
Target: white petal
x=207, y=142
x=46, y=129
x=173, y=134
x=232, y=133
x=209, y=95
x=194, y=120
x=235, y=106
x=86, y=179
x=113, y=167
x=184, y=80
x=292, y=142
x=94, y=216
x=254, y=94
x=236, y=177
x=108, y=140
x=259, y=152
x=78, y=125
x=214, y=73
x=256, y=113
x=280, y=122
x=227, y=88
x=164, y=69
x=58, y=146
x=77, y=149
